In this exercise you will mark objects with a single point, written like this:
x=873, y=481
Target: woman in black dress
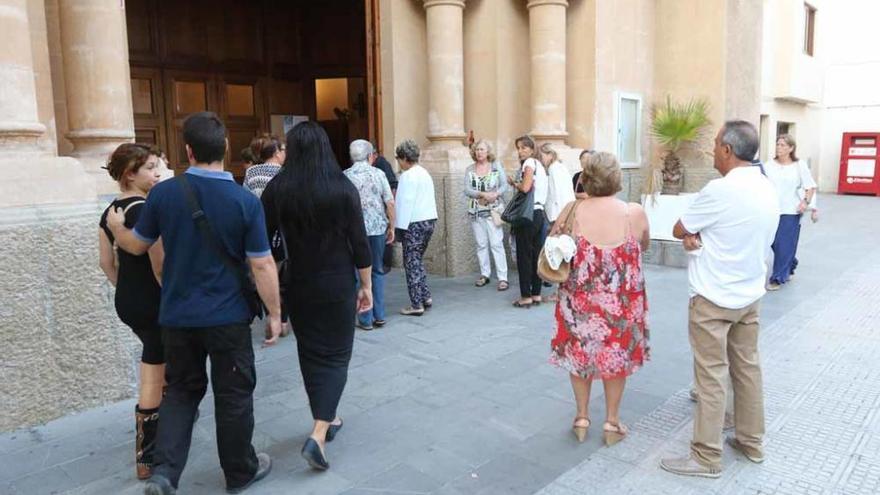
x=318, y=211
x=136, y=168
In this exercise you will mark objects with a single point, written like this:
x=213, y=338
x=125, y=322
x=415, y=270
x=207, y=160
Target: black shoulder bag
x=248, y=288
x=520, y=211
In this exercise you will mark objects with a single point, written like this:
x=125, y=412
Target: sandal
x=503, y=286
x=580, y=432
x=519, y=303
x=614, y=433
x=537, y=302
x=482, y=281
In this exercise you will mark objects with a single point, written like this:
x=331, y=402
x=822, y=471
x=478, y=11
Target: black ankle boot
x=146, y=426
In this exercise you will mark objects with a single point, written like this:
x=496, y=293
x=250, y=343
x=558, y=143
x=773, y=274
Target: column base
x=31, y=179
x=451, y=251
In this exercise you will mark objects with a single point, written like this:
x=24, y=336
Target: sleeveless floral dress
x=601, y=315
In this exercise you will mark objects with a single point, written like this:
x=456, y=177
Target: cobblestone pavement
x=462, y=401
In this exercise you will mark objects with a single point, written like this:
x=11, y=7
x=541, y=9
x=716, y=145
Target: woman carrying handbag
x=528, y=234
x=601, y=315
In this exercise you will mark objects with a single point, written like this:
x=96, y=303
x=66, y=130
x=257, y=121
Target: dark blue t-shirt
x=197, y=288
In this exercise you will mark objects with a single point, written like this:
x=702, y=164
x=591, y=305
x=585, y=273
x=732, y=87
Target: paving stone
x=402, y=478
x=50, y=481
x=504, y=474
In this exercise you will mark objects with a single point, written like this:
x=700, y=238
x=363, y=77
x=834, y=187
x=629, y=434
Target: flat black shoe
x=159, y=485
x=333, y=430
x=263, y=468
x=311, y=452
x=379, y=323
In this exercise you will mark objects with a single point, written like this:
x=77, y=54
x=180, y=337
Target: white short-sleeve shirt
x=790, y=181
x=541, y=182
x=736, y=217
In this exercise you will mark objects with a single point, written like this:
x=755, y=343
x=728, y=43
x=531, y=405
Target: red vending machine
x=860, y=163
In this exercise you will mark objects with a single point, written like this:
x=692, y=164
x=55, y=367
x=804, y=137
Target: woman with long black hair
x=318, y=211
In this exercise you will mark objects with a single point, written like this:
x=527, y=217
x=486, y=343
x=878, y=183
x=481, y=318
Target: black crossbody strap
x=208, y=235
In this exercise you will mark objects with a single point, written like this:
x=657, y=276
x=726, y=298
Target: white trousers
x=490, y=236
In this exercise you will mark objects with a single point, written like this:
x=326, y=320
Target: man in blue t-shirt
x=203, y=311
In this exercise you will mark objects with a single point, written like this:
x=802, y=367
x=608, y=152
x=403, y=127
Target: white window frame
x=618, y=99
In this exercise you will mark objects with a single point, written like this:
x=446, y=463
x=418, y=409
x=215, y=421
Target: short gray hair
x=742, y=137
x=408, y=150
x=360, y=150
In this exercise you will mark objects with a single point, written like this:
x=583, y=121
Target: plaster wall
x=788, y=72
x=807, y=120
x=852, y=76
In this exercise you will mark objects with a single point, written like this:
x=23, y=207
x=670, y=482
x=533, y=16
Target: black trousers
x=233, y=378
x=324, y=338
x=528, y=245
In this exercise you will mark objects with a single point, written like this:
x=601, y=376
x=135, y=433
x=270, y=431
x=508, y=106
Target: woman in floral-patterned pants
x=415, y=217
x=415, y=242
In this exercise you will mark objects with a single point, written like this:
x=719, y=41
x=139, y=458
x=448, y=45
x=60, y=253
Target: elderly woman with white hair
x=415, y=218
x=377, y=203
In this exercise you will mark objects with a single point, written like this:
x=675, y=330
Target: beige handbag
x=545, y=271
x=496, y=214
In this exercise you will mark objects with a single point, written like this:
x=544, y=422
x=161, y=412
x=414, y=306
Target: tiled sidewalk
x=822, y=388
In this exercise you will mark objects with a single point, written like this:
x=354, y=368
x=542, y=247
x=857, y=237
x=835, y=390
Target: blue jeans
x=377, y=249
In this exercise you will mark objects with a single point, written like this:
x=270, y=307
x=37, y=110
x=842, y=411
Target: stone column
x=97, y=79
x=446, y=158
x=547, y=48
x=19, y=120
x=445, y=71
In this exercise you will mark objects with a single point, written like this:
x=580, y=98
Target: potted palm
x=674, y=125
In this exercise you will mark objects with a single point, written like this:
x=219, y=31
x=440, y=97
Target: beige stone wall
x=63, y=347
x=497, y=80
x=42, y=75
x=59, y=93
x=404, y=72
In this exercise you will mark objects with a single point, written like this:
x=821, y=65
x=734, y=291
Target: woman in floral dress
x=601, y=315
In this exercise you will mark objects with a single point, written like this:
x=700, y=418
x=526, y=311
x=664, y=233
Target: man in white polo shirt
x=733, y=221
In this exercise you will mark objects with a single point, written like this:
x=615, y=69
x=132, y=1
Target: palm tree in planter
x=674, y=125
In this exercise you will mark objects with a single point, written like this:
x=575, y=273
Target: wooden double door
x=163, y=98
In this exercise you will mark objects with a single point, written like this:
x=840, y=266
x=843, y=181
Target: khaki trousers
x=725, y=341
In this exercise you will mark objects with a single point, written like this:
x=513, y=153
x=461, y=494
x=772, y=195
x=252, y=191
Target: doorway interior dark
x=257, y=64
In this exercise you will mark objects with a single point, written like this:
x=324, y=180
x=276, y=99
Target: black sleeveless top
x=137, y=291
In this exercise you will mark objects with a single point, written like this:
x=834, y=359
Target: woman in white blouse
x=790, y=176
x=415, y=218
x=528, y=238
x=560, y=191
